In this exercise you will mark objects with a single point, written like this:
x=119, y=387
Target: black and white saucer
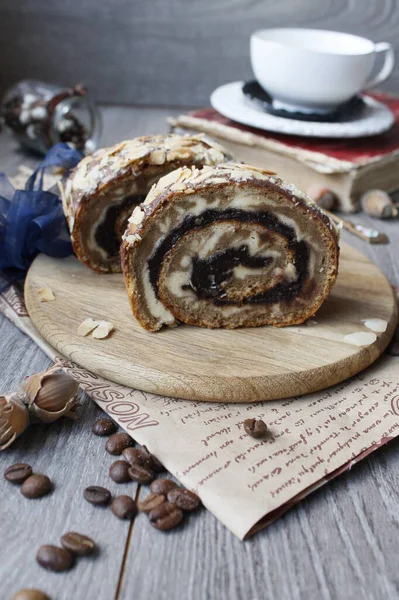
x=360, y=117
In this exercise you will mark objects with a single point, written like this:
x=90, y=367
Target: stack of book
x=348, y=167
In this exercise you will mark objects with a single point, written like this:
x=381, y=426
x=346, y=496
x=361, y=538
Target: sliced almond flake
x=169, y=178
x=87, y=326
x=179, y=154
x=361, y=338
x=157, y=157
x=116, y=148
x=135, y=153
x=45, y=294
x=177, y=187
x=137, y=216
x=102, y=330
x=377, y=325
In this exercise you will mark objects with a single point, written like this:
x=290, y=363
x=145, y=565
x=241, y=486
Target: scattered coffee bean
x=162, y=486
x=255, y=428
x=54, y=558
x=141, y=474
x=30, y=594
x=119, y=471
x=152, y=501
x=97, y=495
x=124, y=507
x=156, y=465
x=393, y=348
x=103, y=426
x=36, y=486
x=18, y=473
x=165, y=516
x=184, y=499
x=136, y=457
x=118, y=442
x=77, y=543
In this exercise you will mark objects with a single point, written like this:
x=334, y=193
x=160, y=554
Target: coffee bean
x=162, y=486
x=18, y=473
x=119, y=471
x=124, y=507
x=184, y=499
x=165, y=516
x=77, y=543
x=141, y=474
x=396, y=334
x=118, y=442
x=103, y=426
x=152, y=501
x=156, y=465
x=255, y=428
x=97, y=495
x=36, y=486
x=30, y=594
x=136, y=457
x=54, y=558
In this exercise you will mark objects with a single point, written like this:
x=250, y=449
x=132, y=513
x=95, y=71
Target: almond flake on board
x=45, y=294
x=102, y=330
x=361, y=338
x=87, y=326
x=377, y=325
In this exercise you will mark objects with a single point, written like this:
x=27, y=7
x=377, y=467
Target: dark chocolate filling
x=204, y=269
x=209, y=274
x=106, y=234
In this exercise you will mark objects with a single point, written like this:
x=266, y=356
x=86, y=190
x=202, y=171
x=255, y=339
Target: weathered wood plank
x=73, y=458
x=170, y=53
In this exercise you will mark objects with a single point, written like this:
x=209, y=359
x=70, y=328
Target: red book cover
x=357, y=151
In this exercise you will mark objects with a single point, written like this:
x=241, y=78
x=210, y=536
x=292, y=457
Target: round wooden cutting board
x=242, y=365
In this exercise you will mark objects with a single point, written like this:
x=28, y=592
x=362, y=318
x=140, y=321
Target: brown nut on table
x=184, y=499
x=166, y=516
x=378, y=203
x=18, y=472
x=78, y=543
x=255, y=428
x=36, y=486
x=124, y=507
x=119, y=471
x=137, y=457
x=323, y=197
x=141, y=474
x=54, y=558
x=162, y=486
x=150, y=502
x=118, y=442
x=30, y=594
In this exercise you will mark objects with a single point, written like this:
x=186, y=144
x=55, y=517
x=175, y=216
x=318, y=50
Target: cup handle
x=387, y=67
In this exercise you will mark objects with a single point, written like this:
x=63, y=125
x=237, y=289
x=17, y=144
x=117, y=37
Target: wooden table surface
x=342, y=542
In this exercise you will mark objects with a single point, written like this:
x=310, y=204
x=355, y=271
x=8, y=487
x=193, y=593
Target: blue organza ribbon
x=32, y=220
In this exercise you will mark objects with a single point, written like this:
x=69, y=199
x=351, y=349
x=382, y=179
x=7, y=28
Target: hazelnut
x=377, y=203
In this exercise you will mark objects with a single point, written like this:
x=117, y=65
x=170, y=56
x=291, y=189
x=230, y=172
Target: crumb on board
x=45, y=294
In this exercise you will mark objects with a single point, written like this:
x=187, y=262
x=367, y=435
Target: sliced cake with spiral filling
x=103, y=190
x=227, y=246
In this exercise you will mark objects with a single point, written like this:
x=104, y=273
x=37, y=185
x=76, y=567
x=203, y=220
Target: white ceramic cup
x=316, y=70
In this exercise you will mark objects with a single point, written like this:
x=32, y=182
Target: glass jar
x=41, y=115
